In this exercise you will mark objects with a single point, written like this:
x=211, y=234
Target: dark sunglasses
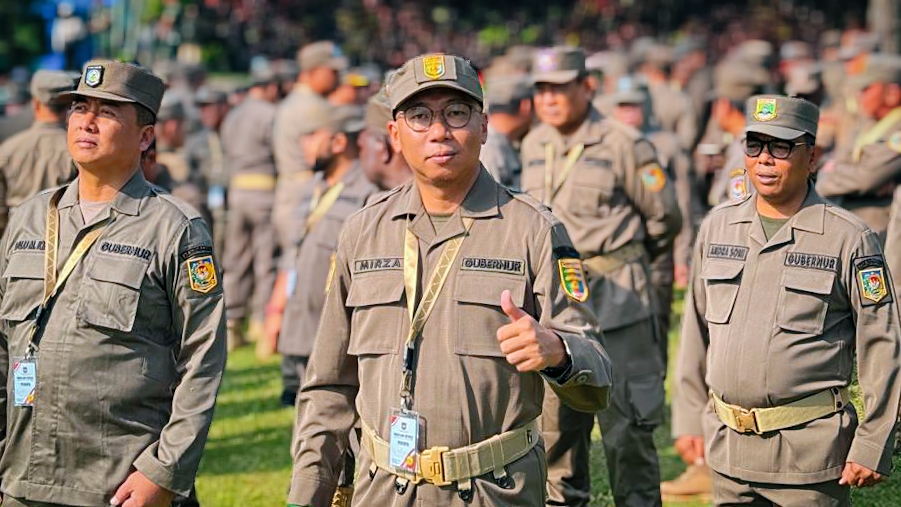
x=778, y=148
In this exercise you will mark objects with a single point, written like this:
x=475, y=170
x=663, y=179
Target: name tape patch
x=381, y=264
x=508, y=266
x=126, y=250
x=731, y=252
x=811, y=261
x=31, y=245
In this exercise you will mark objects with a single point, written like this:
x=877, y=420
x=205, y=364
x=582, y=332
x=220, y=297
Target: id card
x=403, y=443
x=215, y=198
x=25, y=380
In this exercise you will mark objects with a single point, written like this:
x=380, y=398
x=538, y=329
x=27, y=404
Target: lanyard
x=550, y=189
x=321, y=203
x=419, y=314
x=52, y=282
x=873, y=135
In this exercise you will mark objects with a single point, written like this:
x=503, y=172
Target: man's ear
x=339, y=143
x=147, y=136
x=394, y=136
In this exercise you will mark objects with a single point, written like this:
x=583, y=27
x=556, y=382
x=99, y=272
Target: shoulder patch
x=738, y=184
x=572, y=278
x=894, y=142
x=872, y=281
x=202, y=274
x=653, y=178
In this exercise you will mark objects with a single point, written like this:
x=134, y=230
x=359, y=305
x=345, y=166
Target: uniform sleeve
x=687, y=124
x=690, y=385
x=325, y=405
x=586, y=386
x=198, y=319
x=878, y=165
x=686, y=197
x=878, y=357
x=4, y=349
x=4, y=188
x=647, y=185
x=893, y=237
x=286, y=139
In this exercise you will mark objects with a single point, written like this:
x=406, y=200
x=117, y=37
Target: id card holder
x=25, y=381
x=215, y=197
x=404, y=438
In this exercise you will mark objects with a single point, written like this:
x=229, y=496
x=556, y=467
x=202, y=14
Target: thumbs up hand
x=527, y=344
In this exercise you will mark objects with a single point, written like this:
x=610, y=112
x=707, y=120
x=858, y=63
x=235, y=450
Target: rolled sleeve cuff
x=161, y=475
x=875, y=458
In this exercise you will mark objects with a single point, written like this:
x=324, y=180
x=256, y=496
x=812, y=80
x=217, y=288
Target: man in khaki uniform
x=320, y=64
x=251, y=249
x=383, y=165
x=786, y=290
x=494, y=286
x=170, y=137
x=509, y=118
x=671, y=107
x=112, y=356
x=37, y=159
x=865, y=185
x=603, y=181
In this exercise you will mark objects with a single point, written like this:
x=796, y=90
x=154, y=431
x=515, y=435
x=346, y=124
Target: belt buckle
x=746, y=420
x=431, y=466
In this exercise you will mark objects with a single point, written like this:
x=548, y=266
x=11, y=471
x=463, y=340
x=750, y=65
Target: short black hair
x=145, y=116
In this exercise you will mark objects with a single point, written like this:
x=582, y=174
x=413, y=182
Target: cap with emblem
x=559, y=64
x=323, y=53
x=631, y=90
x=736, y=80
x=121, y=82
x=344, y=118
x=433, y=71
x=502, y=91
x=170, y=109
x=378, y=112
x=49, y=86
x=781, y=117
x=879, y=68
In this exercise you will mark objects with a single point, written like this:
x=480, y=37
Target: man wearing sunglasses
x=453, y=301
x=787, y=289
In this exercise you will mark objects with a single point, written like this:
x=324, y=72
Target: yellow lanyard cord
x=871, y=136
x=320, y=206
x=419, y=314
x=551, y=189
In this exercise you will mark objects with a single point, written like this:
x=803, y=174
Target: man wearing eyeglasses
x=452, y=301
x=602, y=179
x=787, y=289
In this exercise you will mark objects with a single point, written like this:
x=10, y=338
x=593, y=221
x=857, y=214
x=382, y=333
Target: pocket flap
x=127, y=272
x=714, y=270
x=25, y=266
x=369, y=290
x=486, y=289
x=809, y=280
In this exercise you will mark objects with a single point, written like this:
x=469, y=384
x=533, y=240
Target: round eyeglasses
x=419, y=118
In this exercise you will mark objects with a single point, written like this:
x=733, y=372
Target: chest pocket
x=804, y=300
x=24, y=279
x=479, y=314
x=111, y=291
x=721, y=282
x=592, y=184
x=378, y=313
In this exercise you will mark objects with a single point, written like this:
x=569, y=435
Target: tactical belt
x=442, y=466
x=762, y=420
x=603, y=265
x=252, y=182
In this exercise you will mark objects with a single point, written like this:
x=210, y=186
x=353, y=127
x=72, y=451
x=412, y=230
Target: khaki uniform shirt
x=204, y=153
x=310, y=255
x=679, y=167
x=675, y=112
x=770, y=322
x=131, y=356
x=605, y=205
x=464, y=386
x=31, y=161
x=247, y=138
x=499, y=157
x=860, y=185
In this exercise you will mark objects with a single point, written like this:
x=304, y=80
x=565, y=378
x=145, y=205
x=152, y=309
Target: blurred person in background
x=509, y=120
x=384, y=166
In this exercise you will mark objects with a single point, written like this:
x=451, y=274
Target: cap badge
x=546, y=61
x=765, y=110
x=93, y=76
x=433, y=66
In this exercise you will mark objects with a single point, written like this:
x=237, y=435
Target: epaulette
x=186, y=209
x=535, y=204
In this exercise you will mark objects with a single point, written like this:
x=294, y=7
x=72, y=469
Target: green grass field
x=247, y=461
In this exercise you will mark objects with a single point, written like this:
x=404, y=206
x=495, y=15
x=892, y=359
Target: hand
x=691, y=448
x=859, y=476
x=139, y=491
x=272, y=327
x=527, y=344
x=681, y=274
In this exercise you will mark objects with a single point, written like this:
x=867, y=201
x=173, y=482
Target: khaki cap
x=378, y=112
x=736, y=80
x=631, y=90
x=803, y=80
x=558, y=65
x=345, y=118
x=507, y=90
x=879, y=68
x=170, y=109
x=781, y=117
x=121, y=82
x=323, y=53
x=435, y=70
x=47, y=86
x=206, y=95
x=756, y=51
